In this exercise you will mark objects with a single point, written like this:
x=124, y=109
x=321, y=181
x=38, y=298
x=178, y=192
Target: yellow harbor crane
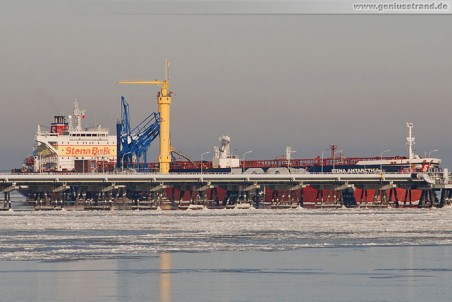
x=163, y=102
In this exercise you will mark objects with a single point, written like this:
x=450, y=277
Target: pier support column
x=393, y=192
x=301, y=200
x=442, y=199
x=364, y=197
x=408, y=197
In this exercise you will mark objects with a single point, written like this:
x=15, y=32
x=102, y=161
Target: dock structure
x=147, y=191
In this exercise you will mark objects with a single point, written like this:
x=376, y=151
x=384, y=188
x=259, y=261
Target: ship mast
x=79, y=114
x=410, y=141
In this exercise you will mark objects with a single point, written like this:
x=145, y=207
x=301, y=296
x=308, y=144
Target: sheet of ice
x=73, y=235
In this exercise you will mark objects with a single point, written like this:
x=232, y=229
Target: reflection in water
x=165, y=277
x=354, y=274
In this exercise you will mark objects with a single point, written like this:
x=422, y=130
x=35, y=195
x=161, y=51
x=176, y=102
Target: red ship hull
x=306, y=197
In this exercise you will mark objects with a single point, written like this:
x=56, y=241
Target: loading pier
x=147, y=191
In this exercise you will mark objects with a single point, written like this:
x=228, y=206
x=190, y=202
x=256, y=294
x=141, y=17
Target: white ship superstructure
x=222, y=155
x=69, y=147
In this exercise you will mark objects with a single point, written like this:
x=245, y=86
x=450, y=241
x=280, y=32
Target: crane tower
x=164, y=103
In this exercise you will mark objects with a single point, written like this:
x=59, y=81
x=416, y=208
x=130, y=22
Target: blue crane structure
x=133, y=144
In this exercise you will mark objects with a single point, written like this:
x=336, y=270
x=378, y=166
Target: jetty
x=148, y=191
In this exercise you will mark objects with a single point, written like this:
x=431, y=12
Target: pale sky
x=266, y=80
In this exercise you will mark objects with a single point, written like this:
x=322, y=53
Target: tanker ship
x=70, y=148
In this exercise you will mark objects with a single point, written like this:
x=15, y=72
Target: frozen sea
x=227, y=255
